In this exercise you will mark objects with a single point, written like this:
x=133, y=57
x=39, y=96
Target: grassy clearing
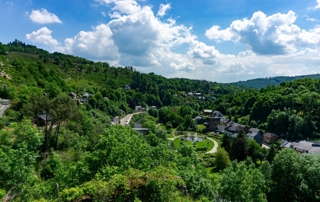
x=205, y=145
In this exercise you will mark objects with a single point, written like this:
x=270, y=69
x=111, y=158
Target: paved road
x=126, y=120
x=4, y=107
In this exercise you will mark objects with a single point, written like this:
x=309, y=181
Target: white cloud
x=103, y=14
x=43, y=35
x=274, y=34
x=43, y=17
x=123, y=6
x=163, y=9
x=318, y=5
x=96, y=44
x=308, y=18
x=152, y=44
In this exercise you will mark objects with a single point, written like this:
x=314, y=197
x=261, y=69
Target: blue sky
x=216, y=40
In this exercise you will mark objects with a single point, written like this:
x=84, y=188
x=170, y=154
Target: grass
x=201, y=147
x=178, y=141
x=205, y=145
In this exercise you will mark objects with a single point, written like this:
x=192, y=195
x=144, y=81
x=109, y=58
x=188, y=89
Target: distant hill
x=269, y=81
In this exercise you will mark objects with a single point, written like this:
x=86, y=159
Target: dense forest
x=290, y=109
x=54, y=147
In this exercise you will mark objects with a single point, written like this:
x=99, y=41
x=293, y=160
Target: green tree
x=222, y=159
x=19, y=150
x=242, y=183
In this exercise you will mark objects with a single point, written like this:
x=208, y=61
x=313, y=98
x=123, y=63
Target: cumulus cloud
x=43, y=35
x=43, y=17
x=139, y=37
x=123, y=6
x=95, y=44
x=275, y=34
x=163, y=9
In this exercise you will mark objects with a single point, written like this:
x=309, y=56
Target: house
x=221, y=128
x=5, y=102
x=199, y=120
x=85, y=97
x=126, y=87
x=116, y=120
x=232, y=129
x=198, y=94
x=138, y=108
x=207, y=112
x=44, y=119
x=212, y=123
x=269, y=137
x=213, y=98
x=255, y=136
x=190, y=94
x=255, y=130
x=73, y=95
x=285, y=144
x=217, y=114
x=243, y=128
x=306, y=147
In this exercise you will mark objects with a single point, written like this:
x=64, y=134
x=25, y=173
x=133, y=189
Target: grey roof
x=306, y=147
x=45, y=117
x=269, y=135
x=254, y=130
x=217, y=114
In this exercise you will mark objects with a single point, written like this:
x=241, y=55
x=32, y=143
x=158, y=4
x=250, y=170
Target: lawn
x=200, y=147
x=205, y=145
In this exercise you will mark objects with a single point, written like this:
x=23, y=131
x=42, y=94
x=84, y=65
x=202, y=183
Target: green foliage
x=242, y=183
x=222, y=159
x=89, y=159
x=297, y=173
x=19, y=147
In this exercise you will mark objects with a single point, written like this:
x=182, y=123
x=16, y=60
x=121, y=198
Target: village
x=216, y=122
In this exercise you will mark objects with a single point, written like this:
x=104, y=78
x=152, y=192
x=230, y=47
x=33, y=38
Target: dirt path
x=215, y=147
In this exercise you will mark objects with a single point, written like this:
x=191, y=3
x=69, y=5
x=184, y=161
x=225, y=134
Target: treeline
x=290, y=109
x=272, y=81
x=26, y=67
